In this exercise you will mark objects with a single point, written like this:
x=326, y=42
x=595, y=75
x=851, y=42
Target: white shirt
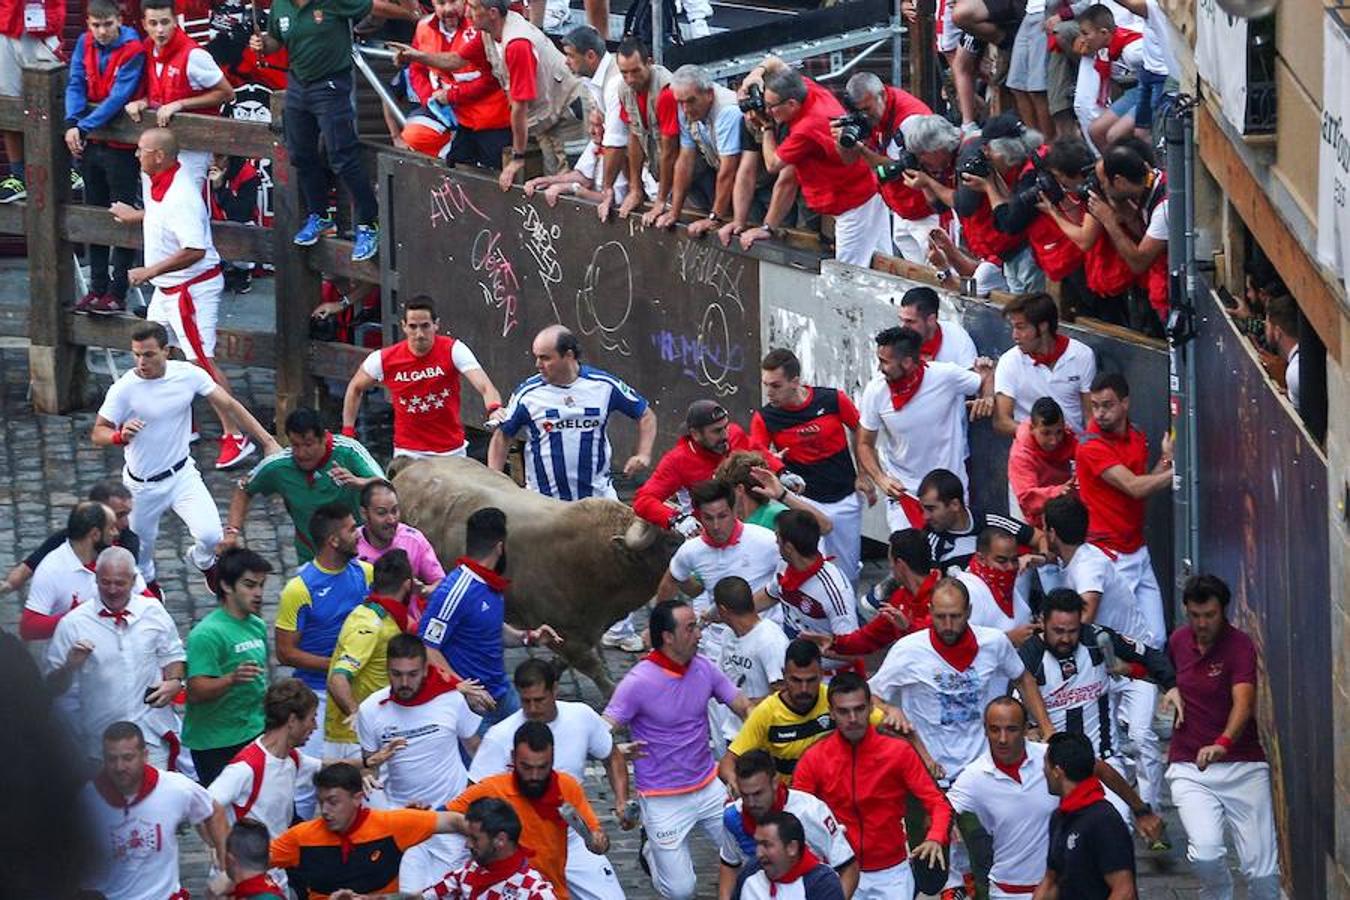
x=1091, y=570
x=957, y=346
x=824, y=604
x=753, y=662
x=929, y=432
x=61, y=582
x=275, y=804
x=1291, y=375
x=1017, y=816
x=165, y=405
x=110, y=686
x=460, y=355
x=1157, y=46
x=1024, y=380
x=180, y=221
x=947, y=706
x=202, y=71
x=1158, y=223
x=754, y=557
x=588, y=164
x=429, y=769
x=824, y=835
x=136, y=848
x=579, y=734
x=984, y=609
x=605, y=85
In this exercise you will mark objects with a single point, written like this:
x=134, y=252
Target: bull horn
x=640, y=535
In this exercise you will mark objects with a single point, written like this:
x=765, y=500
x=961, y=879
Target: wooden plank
x=54, y=364
x=333, y=257
x=333, y=360
x=194, y=132
x=12, y=217
x=1320, y=302
x=236, y=346
x=92, y=225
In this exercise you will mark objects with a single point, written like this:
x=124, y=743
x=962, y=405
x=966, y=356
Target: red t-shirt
x=667, y=112
x=1115, y=519
x=906, y=202
x=1206, y=683
x=522, y=69
x=829, y=185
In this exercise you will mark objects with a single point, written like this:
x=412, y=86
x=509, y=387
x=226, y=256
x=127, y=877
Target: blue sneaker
x=313, y=229
x=367, y=243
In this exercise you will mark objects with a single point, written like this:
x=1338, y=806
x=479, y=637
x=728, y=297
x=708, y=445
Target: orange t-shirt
x=546, y=840
x=365, y=858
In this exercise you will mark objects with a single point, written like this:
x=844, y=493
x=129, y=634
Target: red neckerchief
x=1049, y=359
x=482, y=877
x=959, y=655
x=1120, y=39
x=120, y=616
x=1087, y=792
x=793, y=579
x=327, y=455
x=734, y=539
x=1013, y=771
x=915, y=606
x=92, y=565
x=255, y=886
x=805, y=864
x=779, y=801
x=160, y=181
x=114, y=798
x=656, y=657
x=933, y=346
x=491, y=578
x=903, y=391
x=999, y=582
x=345, y=836
x=547, y=806
x=432, y=687
x=397, y=610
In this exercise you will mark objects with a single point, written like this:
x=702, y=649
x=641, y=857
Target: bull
x=580, y=566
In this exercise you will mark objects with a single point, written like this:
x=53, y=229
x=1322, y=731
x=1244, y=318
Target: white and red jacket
x=166, y=72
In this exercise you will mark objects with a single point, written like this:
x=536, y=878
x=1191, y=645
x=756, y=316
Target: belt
x=161, y=476
x=1015, y=888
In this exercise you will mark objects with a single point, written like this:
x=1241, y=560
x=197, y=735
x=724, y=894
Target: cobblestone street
x=47, y=463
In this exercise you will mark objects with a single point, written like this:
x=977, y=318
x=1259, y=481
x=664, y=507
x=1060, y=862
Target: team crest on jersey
x=318, y=17
x=135, y=840
x=568, y=401
x=435, y=632
x=171, y=71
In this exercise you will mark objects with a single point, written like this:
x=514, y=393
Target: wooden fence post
x=297, y=286
x=55, y=365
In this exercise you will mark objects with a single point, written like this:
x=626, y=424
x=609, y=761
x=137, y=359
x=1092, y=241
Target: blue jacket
x=123, y=90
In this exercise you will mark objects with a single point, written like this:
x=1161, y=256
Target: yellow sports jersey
x=359, y=656
x=785, y=734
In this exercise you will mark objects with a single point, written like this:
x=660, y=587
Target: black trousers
x=210, y=763
x=323, y=108
x=479, y=148
x=110, y=174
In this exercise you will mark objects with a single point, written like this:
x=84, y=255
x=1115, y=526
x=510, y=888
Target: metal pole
x=378, y=86
x=897, y=50
x=658, y=32
x=1183, y=284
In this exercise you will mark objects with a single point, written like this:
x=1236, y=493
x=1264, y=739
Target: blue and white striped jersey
x=564, y=428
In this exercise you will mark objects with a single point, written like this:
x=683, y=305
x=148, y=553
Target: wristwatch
x=517, y=155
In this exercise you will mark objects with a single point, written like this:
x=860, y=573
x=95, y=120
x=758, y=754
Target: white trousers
x=186, y=494
x=844, y=542
x=669, y=820
x=1236, y=795
x=428, y=862
x=861, y=231
x=910, y=236
x=306, y=798
x=1137, y=570
x=886, y=884
x=461, y=450
x=1136, y=702
x=183, y=333
x=589, y=875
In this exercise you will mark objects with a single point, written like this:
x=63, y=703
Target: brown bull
x=579, y=566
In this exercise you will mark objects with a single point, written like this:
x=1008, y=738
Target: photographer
x=986, y=170
x=710, y=150
x=831, y=182
x=884, y=150
x=936, y=143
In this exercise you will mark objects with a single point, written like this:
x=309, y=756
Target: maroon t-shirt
x=1206, y=682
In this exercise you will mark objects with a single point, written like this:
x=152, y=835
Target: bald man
x=182, y=264
x=562, y=414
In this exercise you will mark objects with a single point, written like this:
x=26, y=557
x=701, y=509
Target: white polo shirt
x=753, y=662
x=984, y=609
x=1016, y=815
x=946, y=705
x=274, y=805
x=165, y=405
x=957, y=346
x=753, y=556
x=579, y=734
x=1023, y=379
x=824, y=604
x=180, y=221
x=1091, y=570
x=110, y=686
x=825, y=836
x=61, y=582
x=136, y=847
x=429, y=769
x=929, y=431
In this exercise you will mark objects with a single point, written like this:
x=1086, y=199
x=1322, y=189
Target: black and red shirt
x=814, y=438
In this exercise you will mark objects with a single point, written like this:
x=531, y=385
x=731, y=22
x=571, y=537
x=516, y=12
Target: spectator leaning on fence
x=650, y=117
x=30, y=33
x=710, y=149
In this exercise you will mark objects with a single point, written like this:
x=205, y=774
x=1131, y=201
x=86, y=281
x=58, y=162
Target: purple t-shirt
x=669, y=713
x=426, y=567
x=1206, y=682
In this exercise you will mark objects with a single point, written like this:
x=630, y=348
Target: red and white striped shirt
x=512, y=878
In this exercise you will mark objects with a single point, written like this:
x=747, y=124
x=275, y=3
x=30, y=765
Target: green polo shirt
x=304, y=492
x=766, y=515
x=318, y=35
x=216, y=646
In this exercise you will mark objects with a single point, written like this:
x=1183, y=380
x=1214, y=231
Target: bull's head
x=646, y=545
x=640, y=535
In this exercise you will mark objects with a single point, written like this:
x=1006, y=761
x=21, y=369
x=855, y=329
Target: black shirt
x=128, y=539
x=1087, y=845
x=955, y=548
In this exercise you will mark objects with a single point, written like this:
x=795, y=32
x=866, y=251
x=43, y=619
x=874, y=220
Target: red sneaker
x=234, y=449
x=82, y=305
x=107, y=305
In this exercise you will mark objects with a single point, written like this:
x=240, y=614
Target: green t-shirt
x=304, y=492
x=318, y=36
x=766, y=514
x=216, y=646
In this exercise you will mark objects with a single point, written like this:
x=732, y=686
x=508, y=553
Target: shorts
x=1027, y=66
x=885, y=884
x=1152, y=88
x=461, y=450
x=15, y=53
x=1061, y=70
x=195, y=335
x=1125, y=104
x=947, y=35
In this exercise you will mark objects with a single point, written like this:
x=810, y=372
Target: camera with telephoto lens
x=1091, y=184
x=853, y=127
x=753, y=101
x=1044, y=184
x=904, y=160
x=976, y=165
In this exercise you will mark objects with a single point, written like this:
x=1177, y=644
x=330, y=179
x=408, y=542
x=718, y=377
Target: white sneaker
x=629, y=643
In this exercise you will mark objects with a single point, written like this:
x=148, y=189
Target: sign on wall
x=1333, y=194
x=1221, y=58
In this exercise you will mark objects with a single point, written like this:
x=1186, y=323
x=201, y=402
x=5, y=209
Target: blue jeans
x=323, y=108
x=1150, y=97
